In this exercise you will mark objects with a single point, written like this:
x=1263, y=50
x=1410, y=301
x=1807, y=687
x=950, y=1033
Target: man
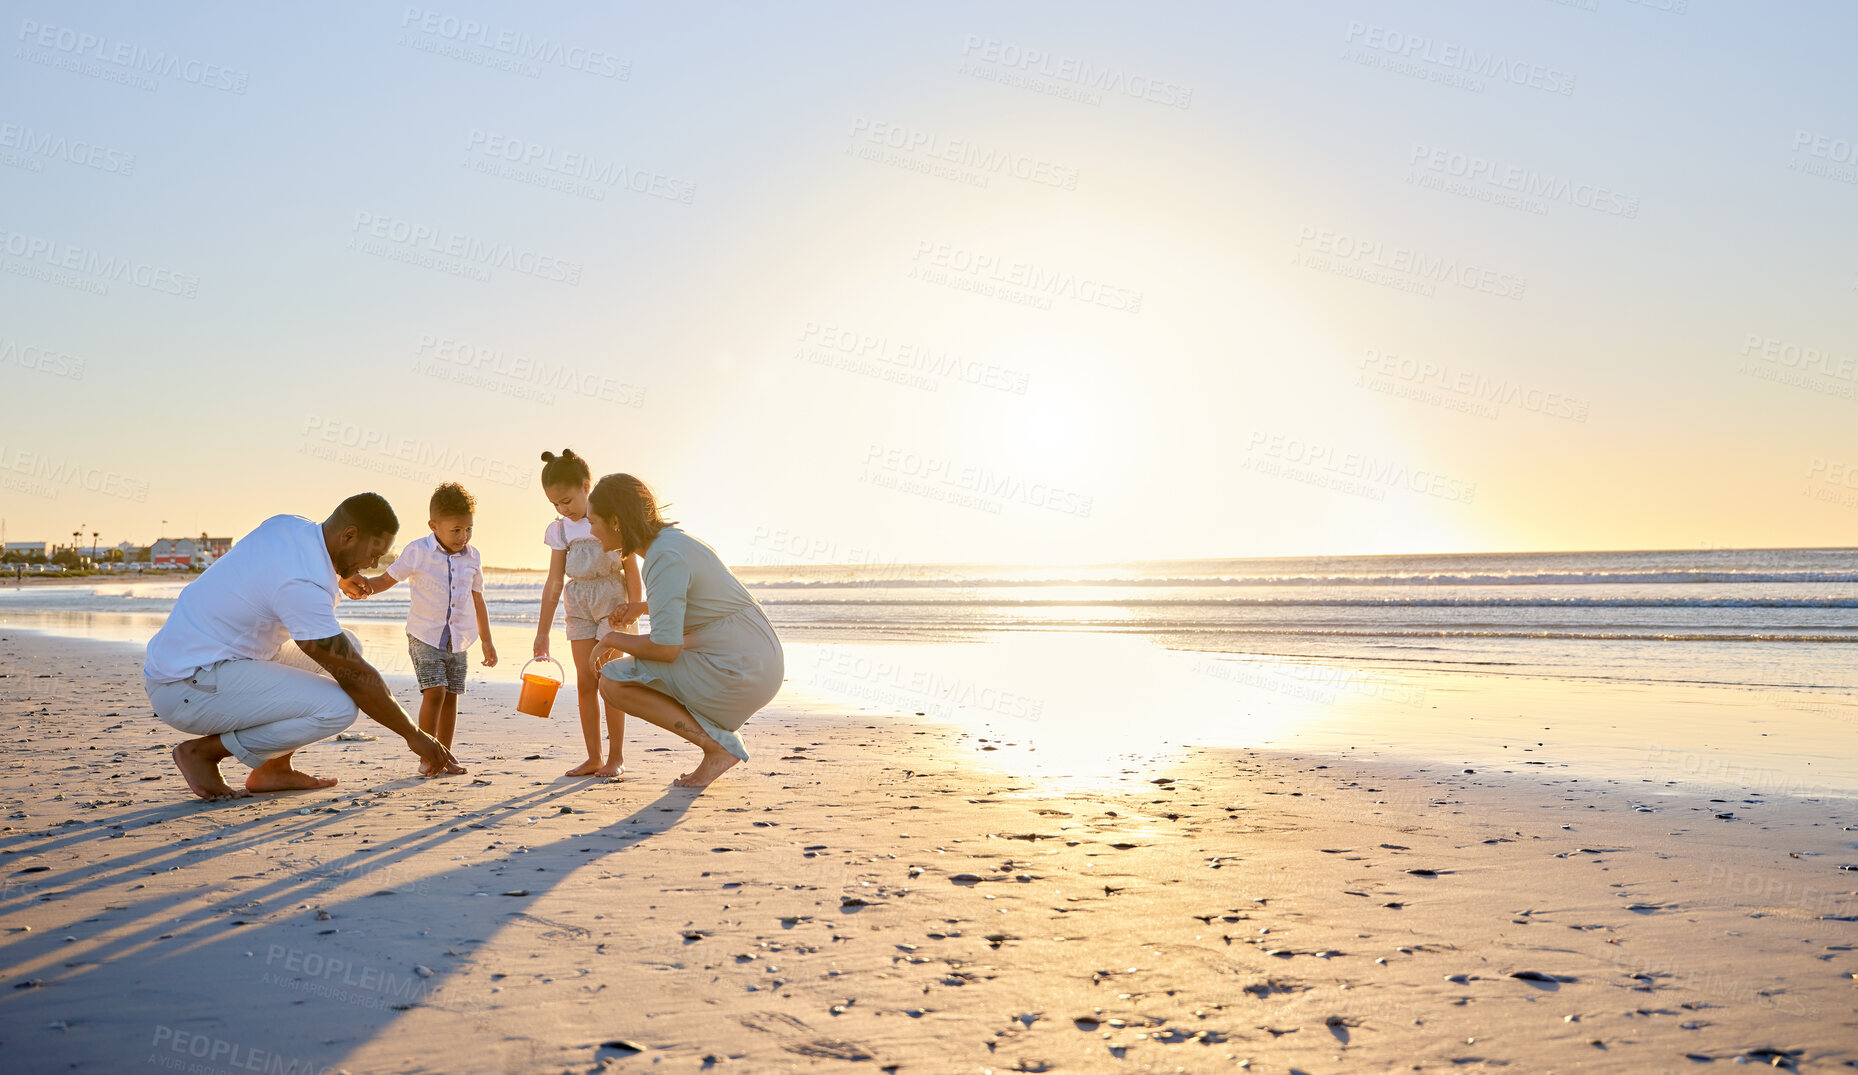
x=253, y=661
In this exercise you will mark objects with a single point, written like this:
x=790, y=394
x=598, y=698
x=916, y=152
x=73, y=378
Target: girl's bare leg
x=587, y=688
x=656, y=707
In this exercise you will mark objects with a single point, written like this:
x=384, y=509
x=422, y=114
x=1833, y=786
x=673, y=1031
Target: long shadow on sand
x=295, y=973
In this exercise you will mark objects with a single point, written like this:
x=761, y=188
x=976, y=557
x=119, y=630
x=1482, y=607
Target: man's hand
x=622, y=616
x=433, y=754
x=356, y=587
x=603, y=652
x=361, y=682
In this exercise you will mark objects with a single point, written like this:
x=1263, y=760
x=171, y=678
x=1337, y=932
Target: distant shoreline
x=7, y=577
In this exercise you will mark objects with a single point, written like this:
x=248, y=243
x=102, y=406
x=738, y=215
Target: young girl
x=599, y=585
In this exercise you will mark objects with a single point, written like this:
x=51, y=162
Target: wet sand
x=876, y=890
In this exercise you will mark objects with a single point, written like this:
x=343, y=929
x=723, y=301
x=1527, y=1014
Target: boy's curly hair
x=450, y=500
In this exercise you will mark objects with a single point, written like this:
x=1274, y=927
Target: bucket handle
x=563, y=675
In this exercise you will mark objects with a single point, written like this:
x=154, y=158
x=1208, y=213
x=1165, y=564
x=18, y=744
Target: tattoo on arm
x=334, y=646
x=339, y=657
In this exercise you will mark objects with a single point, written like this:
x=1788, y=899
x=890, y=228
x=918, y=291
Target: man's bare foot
x=272, y=776
x=586, y=768
x=713, y=766
x=611, y=770
x=202, y=773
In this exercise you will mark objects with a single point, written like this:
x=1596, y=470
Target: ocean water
x=1753, y=618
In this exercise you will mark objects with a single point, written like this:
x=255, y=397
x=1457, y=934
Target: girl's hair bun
x=564, y=469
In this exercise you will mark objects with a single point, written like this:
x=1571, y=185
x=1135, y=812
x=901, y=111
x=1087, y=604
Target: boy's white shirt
x=422, y=566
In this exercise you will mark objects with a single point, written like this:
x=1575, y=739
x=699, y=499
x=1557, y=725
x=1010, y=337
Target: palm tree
x=94, y=535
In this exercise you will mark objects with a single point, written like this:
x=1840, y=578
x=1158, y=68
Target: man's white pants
x=259, y=709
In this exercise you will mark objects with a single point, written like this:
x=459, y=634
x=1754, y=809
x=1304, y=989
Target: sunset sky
x=1026, y=283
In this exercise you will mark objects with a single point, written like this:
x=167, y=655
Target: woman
x=712, y=658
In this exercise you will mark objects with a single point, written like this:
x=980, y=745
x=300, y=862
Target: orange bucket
x=538, y=692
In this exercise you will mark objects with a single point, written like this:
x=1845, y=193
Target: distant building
x=173, y=552
x=187, y=552
x=27, y=548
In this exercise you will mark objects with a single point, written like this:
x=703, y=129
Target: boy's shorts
x=437, y=668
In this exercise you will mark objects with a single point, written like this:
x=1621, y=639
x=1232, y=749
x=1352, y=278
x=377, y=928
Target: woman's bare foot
x=713, y=766
x=611, y=770
x=273, y=776
x=586, y=768
x=201, y=771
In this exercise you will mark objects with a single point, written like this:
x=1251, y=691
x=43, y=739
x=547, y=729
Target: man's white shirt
x=275, y=585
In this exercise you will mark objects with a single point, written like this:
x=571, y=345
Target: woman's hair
x=565, y=469
x=628, y=504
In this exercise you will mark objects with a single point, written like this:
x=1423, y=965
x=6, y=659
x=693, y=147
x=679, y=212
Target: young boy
x=447, y=587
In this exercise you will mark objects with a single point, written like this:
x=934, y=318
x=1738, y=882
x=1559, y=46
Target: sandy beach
x=876, y=890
